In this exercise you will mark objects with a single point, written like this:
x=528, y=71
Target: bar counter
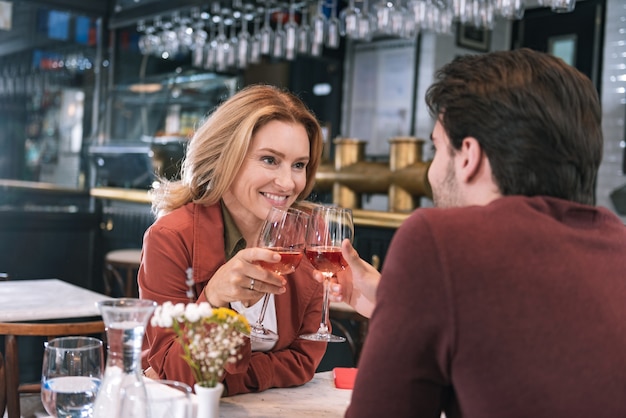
x=380, y=219
x=361, y=217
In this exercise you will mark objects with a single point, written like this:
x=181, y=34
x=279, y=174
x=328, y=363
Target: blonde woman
x=260, y=148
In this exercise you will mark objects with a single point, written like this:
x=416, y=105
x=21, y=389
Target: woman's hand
x=242, y=279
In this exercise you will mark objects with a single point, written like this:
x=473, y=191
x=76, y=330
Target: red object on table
x=344, y=377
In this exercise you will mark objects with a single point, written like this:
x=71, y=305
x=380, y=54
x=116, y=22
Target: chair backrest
x=10, y=388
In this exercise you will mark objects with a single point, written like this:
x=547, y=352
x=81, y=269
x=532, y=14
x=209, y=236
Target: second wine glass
x=328, y=227
x=283, y=232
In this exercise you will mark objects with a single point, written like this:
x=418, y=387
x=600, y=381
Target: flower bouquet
x=210, y=337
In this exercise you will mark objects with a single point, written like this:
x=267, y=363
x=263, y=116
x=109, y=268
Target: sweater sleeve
x=403, y=369
x=161, y=278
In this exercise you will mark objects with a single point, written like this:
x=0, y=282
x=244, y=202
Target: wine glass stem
x=325, y=307
x=259, y=321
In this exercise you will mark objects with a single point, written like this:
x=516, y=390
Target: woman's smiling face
x=273, y=173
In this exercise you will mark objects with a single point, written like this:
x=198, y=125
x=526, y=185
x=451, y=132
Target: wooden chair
x=10, y=387
x=128, y=261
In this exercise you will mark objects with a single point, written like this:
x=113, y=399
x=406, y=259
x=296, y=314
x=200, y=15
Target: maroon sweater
x=514, y=309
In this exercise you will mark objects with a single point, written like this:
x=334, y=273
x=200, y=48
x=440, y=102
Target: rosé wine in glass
x=283, y=231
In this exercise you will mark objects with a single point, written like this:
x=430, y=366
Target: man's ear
x=470, y=159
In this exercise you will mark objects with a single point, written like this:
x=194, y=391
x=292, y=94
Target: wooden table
x=44, y=299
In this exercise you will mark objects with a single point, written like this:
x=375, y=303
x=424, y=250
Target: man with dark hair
x=509, y=298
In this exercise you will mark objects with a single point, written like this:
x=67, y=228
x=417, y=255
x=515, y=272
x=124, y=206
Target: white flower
x=192, y=312
x=205, y=309
x=210, y=337
x=178, y=311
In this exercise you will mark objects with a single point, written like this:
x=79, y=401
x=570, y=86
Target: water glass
x=71, y=375
x=156, y=399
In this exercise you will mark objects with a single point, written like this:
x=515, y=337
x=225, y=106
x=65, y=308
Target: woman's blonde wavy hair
x=217, y=150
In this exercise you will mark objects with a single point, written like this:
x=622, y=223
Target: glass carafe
x=125, y=321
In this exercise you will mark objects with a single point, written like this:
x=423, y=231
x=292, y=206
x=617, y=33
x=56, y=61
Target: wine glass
x=283, y=232
x=328, y=227
x=266, y=32
x=291, y=31
x=382, y=10
x=366, y=23
x=221, y=51
x=318, y=36
x=71, y=375
x=278, y=47
x=156, y=399
x=255, y=41
x=210, y=47
x=243, y=51
x=232, y=42
x=333, y=28
x=304, y=33
x=200, y=37
x=349, y=18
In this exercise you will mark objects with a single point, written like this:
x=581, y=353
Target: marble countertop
x=319, y=398
x=33, y=300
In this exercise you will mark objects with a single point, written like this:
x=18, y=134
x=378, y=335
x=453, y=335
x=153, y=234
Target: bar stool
x=122, y=261
x=342, y=311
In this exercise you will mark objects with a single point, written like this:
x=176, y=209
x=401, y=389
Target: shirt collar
x=233, y=240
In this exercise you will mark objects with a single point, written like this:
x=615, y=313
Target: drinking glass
x=318, y=36
x=365, y=24
x=243, y=51
x=397, y=16
x=156, y=399
x=233, y=42
x=278, y=47
x=328, y=227
x=283, y=232
x=255, y=41
x=200, y=37
x=304, y=33
x=349, y=18
x=384, y=10
x=333, y=28
x=71, y=375
x=210, y=48
x=169, y=39
x=291, y=32
x=222, y=46
x=266, y=32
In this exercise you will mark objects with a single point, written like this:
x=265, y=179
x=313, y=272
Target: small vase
x=208, y=400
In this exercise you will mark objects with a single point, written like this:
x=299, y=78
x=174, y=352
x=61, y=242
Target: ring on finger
x=251, y=284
